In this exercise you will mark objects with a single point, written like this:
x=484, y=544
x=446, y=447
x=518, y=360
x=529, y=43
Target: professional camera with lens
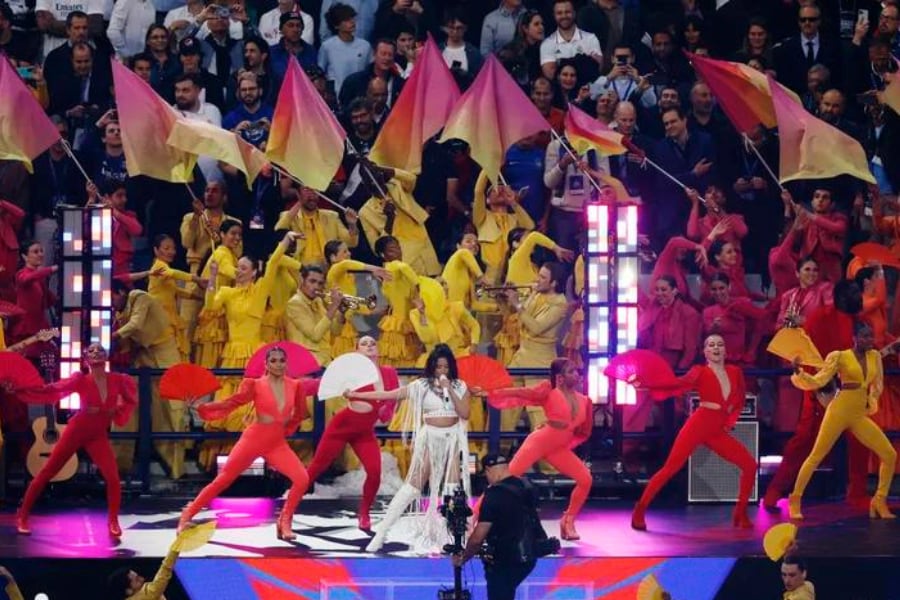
x=456, y=512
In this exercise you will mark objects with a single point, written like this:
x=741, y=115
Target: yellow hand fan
x=194, y=537
x=778, y=539
x=649, y=589
x=792, y=342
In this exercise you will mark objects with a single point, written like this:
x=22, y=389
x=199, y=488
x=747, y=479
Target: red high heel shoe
x=22, y=527
x=567, y=528
x=365, y=521
x=637, y=518
x=283, y=530
x=115, y=531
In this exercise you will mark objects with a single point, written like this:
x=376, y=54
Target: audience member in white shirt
x=128, y=26
x=51, y=19
x=567, y=41
x=188, y=103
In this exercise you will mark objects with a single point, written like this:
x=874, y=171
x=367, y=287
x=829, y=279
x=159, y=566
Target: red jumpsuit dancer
x=355, y=425
x=569, y=423
x=721, y=389
x=280, y=405
x=831, y=328
x=105, y=397
x=822, y=232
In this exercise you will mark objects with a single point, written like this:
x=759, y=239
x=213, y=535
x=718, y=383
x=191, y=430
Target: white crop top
x=427, y=402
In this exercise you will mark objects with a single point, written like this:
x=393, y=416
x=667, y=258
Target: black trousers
x=503, y=579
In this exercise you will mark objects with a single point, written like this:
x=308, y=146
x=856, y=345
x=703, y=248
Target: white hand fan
x=349, y=371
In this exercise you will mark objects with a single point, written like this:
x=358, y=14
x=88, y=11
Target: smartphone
x=456, y=64
x=223, y=12
x=25, y=72
x=862, y=15
x=621, y=60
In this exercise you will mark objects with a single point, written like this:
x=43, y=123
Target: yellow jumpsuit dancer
x=212, y=328
x=244, y=306
x=274, y=326
x=163, y=286
x=861, y=384
x=398, y=345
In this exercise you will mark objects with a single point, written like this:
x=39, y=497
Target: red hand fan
x=186, y=381
x=483, y=372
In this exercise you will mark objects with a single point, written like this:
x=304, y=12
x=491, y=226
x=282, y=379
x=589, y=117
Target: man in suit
x=144, y=323
x=83, y=96
x=688, y=156
x=796, y=55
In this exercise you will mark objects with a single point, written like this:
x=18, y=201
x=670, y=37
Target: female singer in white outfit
x=436, y=423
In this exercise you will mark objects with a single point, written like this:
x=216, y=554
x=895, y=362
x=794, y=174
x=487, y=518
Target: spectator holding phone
x=624, y=79
x=252, y=117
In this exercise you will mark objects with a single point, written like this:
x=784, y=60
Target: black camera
x=456, y=512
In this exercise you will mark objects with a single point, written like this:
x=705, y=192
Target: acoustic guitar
x=47, y=432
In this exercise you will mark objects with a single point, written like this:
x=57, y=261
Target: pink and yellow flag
x=742, y=91
x=25, y=130
x=585, y=133
x=418, y=114
x=493, y=115
x=811, y=148
x=200, y=137
x=306, y=138
x=147, y=121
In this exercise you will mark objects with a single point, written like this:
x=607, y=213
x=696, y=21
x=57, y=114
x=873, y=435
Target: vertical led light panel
x=611, y=290
x=86, y=286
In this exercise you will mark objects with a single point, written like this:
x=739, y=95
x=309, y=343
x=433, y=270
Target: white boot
x=396, y=508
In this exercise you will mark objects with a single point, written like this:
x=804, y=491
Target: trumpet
x=351, y=302
x=499, y=291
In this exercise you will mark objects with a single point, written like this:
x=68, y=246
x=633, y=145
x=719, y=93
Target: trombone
x=351, y=302
x=499, y=291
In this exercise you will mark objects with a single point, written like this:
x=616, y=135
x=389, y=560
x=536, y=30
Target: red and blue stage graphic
x=421, y=578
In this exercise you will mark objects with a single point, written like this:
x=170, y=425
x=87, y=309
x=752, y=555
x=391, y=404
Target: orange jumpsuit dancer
x=569, y=423
x=280, y=405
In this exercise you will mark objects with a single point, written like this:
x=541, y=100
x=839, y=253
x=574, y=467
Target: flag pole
x=71, y=154
x=204, y=218
x=574, y=157
x=362, y=167
x=748, y=143
x=322, y=196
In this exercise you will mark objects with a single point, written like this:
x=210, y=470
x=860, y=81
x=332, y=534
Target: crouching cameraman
x=510, y=526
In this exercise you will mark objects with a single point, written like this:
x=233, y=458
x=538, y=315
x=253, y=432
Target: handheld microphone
x=445, y=390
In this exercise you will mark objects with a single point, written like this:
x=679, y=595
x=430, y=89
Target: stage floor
x=327, y=529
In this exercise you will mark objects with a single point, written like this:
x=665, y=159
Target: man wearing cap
x=508, y=509
x=291, y=43
x=190, y=53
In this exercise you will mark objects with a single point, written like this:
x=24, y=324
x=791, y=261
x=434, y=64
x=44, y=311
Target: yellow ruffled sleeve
x=808, y=382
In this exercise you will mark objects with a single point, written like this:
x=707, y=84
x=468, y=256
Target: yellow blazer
x=307, y=324
x=328, y=227
x=146, y=321
x=409, y=224
x=197, y=244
